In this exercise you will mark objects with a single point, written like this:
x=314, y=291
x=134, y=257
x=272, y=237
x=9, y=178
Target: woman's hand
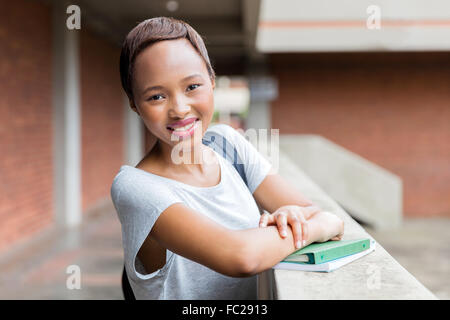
x=332, y=227
x=296, y=216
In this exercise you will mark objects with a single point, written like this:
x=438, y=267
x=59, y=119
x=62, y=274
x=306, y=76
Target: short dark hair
x=150, y=31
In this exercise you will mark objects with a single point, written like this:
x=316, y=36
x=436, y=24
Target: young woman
x=193, y=230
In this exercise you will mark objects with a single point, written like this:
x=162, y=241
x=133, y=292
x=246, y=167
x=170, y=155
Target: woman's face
x=171, y=83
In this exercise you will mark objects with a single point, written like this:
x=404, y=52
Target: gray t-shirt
x=140, y=197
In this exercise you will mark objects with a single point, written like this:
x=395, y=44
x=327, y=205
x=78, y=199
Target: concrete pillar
x=134, y=135
x=66, y=120
x=263, y=89
x=259, y=115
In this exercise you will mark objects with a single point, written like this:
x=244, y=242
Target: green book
x=317, y=253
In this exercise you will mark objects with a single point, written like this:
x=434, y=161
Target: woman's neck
x=175, y=159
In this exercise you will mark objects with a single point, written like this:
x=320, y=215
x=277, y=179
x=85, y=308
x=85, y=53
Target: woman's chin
x=187, y=144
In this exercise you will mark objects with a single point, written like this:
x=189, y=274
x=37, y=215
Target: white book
x=327, y=266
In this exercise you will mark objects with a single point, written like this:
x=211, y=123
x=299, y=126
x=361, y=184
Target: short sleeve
x=256, y=166
x=138, y=203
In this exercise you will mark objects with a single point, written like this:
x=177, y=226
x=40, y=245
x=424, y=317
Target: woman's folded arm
x=236, y=253
x=195, y=236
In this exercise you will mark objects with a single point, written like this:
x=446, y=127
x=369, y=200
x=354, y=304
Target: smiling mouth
x=185, y=128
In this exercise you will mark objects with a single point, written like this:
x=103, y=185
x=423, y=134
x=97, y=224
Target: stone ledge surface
x=357, y=280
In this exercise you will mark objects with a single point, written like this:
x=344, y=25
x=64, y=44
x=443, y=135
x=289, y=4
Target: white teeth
x=186, y=127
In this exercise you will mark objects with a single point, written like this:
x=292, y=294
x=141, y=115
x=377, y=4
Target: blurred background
x=359, y=90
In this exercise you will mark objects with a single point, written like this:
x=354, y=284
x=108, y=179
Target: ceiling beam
x=250, y=20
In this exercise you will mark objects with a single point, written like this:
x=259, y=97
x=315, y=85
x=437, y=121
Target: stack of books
x=327, y=256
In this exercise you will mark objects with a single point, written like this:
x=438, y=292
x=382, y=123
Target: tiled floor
x=38, y=271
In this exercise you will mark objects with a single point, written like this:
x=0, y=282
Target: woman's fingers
x=263, y=219
x=305, y=230
x=292, y=216
x=266, y=219
x=282, y=224
x=297, y=230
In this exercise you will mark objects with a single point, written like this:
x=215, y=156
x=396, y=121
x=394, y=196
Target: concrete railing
x=369, y=192
x=375, y=276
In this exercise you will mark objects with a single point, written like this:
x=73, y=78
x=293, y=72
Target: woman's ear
x=213, y=83
x=133, y=106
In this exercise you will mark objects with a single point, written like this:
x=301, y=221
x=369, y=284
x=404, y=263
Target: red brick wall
x=102, y=117
x=26, y=171
x=391, y=108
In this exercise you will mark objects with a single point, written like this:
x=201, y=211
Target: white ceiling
x=341, y=25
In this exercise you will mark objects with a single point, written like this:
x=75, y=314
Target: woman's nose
x=179, y=108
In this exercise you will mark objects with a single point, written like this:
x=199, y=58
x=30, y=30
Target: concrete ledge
x=378, y=197
x=375, y=276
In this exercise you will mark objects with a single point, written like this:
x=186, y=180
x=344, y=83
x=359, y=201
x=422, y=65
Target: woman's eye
x=193, y=86
x=155, y=97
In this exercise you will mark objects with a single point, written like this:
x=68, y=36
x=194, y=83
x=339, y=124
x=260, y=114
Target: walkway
x=38, y=271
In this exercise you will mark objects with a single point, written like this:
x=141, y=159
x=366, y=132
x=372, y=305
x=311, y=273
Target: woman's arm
x=267, y=249
x=195, y=236
x=285, y=205
x=236, y=253
x=274, y=192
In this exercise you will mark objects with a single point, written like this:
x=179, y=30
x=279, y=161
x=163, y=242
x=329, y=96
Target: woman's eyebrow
x=191, y=76
x=184, y=79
